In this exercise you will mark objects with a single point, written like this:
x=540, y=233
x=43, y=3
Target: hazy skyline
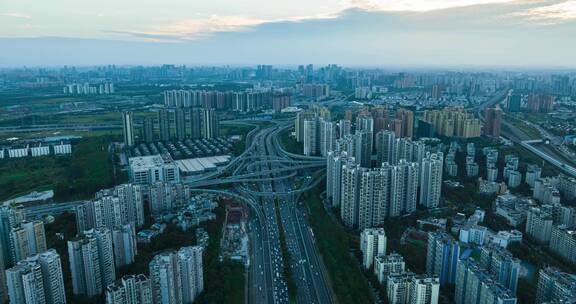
x=362, y=32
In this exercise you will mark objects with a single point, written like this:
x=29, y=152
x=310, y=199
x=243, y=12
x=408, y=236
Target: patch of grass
x=289, y=143
x=333, y=242
x=78, y=176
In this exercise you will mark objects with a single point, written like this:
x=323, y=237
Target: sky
x=353, y=32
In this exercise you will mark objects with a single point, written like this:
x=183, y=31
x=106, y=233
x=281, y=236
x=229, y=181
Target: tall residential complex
x=28, y=239
x=493, y=118
x=368, y=196
x=128, y=128
x=313, y=113
x=92, y=262
x=334, y=162
x=177, y=277
x=372, y=244
x=148, y=130
x=10, y=218
x=539, y=225
x=563, y=242
x=319, y=136
x=501, y=265
x=125, y=247
x=403, y=125
x=131, y=289
x=363, y=145
x=385, y=265
x=408, y=288
x=37, y=279
x=431, y=180
x=442, y=257
x=555, y=286
x=164, y=124
x=474, y=285
x=112, y=208
x=210, y=124
x=180, y=121
x=454, y=122
x=385, y=147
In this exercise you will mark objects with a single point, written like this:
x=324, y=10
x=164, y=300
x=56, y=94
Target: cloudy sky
x=353, y=32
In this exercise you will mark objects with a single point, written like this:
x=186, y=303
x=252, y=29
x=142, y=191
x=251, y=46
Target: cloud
x=193, y=29
x=16, y=15
x=418, y=5
x=551, y=14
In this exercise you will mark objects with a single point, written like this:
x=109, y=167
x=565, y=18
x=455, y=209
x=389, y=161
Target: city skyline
x=355, y=32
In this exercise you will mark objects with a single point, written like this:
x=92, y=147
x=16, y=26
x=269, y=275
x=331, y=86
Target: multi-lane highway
x=277, y=195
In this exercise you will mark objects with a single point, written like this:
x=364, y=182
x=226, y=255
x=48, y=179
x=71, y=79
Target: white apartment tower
x=372, y=244
x=431, y=180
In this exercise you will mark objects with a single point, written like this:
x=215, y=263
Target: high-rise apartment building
x=334, y=163
x=344, y=128
x=436, y=92
x=301, y=117
x=148, y=130
x=112, y=208
x=180, y=121
x=327, y=137
x=177, y=277
x=92, y=262
x=408, y=288
x=191, y=272
x=350, y=193
x=385, y=265
x=539, y=225
x=563, y=242
x=453, y=122
x=555, y=286
x=164, y=124
x=210, y=124
x=165, y=279
x=442, y=257
x=403, y=188
x=128, y=128
x=369, y=196
x=493, y=120
x=196, y=123
x=474, y=285
x=28, y=239
x=311, y=137
x=431, y=180
x=125, y=246
x=404, y=123
x=37, y=279
x=501, y=265
x=363, y=153
x=372, y=244
x=385, y=147
x=131, y=289
x=374, y=198
x=424, y=290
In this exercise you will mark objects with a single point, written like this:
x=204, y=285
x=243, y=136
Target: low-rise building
x=147, y=170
